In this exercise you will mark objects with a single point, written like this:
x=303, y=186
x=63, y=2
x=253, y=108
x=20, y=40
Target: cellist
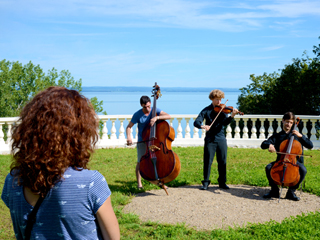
x=273, y=145
x=143, y=117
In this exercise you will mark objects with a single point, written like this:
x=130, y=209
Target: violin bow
x=218, y=113
x=134, y=143
x=293, y=154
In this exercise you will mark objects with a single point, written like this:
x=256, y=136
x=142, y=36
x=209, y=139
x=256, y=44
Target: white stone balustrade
x=245, y=134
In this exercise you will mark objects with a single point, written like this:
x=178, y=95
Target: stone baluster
x=254, y=129
x=98, y=131
x=9, y=134
x=313, y=130
x=195, y=133
x=304, y=129
x=179, y=129
x=2, y=143
x=279, y=125
x=262, y=131
x=229, y=132
x=131, y=132
x=113, y=130
x=270, y=129
x=237, y=129
x=121, y=129
x=245, y=129
x=203, y=133
x=187, y=130
x=104, y=131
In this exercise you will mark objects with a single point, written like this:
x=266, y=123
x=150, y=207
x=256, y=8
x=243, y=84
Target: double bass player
x=143, y=117
x=273, y=145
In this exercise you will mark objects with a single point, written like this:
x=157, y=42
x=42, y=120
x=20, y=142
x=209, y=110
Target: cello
x=285, y=172
x=159, y=165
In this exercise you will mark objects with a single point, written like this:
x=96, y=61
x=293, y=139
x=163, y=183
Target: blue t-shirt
x=142, y=120
x=67, y=212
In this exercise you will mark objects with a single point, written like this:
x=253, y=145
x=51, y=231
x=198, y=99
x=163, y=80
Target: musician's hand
x=153, y=120
x=234, y=112
x=206, y=127
x=129, y=141
x=295, y=132
x=271, y=148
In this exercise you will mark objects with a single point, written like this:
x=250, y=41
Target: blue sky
x=176, y=43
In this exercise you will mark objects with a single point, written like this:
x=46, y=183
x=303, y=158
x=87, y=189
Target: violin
x=159, y=165
x=222, y=108
x=225, y=109
x=285, y=172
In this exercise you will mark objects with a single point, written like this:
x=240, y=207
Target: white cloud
x=293, y=9
x=271, y=48
x=230, y=16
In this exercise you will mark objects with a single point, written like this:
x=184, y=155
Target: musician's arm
x=227, y=120
x=198, y=121
x=269, y=143
x=303, y=139
x=128, y=132
x=164, y=116
x=306, y=142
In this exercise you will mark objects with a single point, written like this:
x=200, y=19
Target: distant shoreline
x=144, y=89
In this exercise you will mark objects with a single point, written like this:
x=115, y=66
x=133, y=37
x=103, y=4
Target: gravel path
x=220, y=208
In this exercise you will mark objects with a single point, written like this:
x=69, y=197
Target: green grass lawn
x=245, y=166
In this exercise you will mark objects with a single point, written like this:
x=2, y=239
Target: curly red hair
x=57, y=129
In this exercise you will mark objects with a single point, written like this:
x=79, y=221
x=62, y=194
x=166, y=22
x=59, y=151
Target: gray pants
x=141, y=150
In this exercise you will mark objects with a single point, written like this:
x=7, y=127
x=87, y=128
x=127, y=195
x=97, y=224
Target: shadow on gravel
x=241, y=191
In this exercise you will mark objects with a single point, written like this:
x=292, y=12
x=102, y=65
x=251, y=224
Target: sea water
x=126, y=101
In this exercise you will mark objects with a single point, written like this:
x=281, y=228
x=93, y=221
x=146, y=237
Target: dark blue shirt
x=216, y=132
x=143, y=120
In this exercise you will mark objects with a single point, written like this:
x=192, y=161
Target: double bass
x=159, y=165
x=285, y=172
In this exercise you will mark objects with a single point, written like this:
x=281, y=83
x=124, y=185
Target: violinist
x=273, y=145
x=215, y=140
x=143, y=118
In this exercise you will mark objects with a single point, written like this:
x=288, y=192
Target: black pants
x=302, y=172
x=210, y=149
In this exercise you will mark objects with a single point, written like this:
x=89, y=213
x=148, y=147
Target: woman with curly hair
x=51, y=146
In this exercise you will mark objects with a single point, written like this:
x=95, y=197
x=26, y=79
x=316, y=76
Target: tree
x=253, y=97
x=296, y=89
x=18, y=84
